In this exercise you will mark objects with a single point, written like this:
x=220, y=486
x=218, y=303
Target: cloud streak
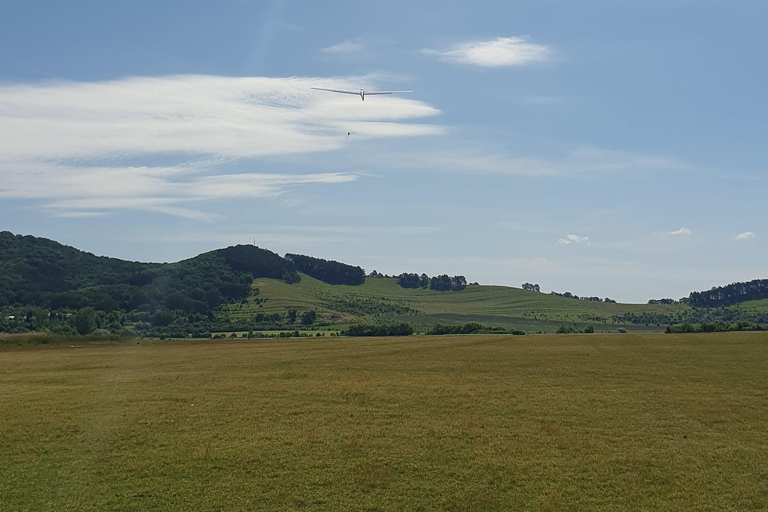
x=56, y=137
x=680, y=232
x=496, y=53
x=354, y=45
x=580, y=161
x=198, y=115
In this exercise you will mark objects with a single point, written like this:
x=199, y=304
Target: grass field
x=382, y=299
x=579, y=422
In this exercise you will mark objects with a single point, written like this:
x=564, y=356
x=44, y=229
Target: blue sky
x=606, y=148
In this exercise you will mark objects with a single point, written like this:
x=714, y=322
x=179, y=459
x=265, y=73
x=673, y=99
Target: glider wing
x=372, y=93
x=356, y=93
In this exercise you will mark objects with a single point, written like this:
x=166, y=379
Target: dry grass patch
x=626, y=422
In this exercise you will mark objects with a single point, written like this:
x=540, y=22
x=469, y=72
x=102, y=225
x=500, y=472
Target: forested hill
x=43, y=273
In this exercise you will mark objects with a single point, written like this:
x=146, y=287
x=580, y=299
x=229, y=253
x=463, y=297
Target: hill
x=47, y=286
x=381, y=299
x=44, y=284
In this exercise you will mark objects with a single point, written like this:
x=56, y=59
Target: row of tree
x=441, y=283
x=569, y=295
x=663, y=302
x=716, y=326
x=328, y=271
x=406, y=329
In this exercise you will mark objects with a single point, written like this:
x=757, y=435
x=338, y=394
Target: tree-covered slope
x=728, y=295
x=55, y=283
x=330, y=272
x=40, y=272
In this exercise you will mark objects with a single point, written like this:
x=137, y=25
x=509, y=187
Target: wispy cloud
x=747, y=235
x=354, y=45
x=81, y=191
x=579, y=161
x=55, y=138
x=291, y=237
x=499, y=52
x=197, y=115
x=679, y=232
x=573, y=239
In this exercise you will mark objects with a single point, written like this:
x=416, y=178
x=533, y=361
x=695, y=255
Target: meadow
x=383, y=300
x=545, y=422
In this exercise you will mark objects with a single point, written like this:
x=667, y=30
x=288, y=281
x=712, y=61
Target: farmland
x=577, y=422
x=382, y=300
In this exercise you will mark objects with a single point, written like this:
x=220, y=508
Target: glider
x=361, y=92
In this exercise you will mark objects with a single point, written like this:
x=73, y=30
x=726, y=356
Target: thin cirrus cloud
x=680, y=232
x=573, y=239
x=496, y=53
x=747, y=235
x=348, y=46
x=578, y=161
x=354, y=45
x=56, y=137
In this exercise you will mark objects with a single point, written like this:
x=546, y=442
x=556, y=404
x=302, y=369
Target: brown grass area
x=625, y=422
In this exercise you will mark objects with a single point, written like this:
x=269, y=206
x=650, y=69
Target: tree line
x=327, y=271
x=406, y=329
x=730, y=294
x=441, y=283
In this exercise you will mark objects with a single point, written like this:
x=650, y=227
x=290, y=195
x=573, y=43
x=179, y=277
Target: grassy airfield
x=578, y=422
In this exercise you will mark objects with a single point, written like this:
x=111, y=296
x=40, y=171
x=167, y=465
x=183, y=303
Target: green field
x=579, y=422
x=383, y=300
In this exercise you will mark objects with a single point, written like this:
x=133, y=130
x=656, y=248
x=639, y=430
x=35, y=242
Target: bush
x=402, y=329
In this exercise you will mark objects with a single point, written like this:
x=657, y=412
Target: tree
x=308, y=317
x=85, y=321
x=458, y=283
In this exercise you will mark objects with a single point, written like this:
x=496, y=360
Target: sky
x=603, y=147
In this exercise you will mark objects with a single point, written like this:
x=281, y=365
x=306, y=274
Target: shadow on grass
x=42, y=338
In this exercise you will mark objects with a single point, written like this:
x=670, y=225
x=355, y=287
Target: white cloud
x=499, y=52
x=199, y=115
x=573, y=239
x=80, y=191
x=747, y=235
x=681, y=231
x=55, y=138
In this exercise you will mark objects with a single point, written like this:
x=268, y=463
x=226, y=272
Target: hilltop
x=48, y=286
